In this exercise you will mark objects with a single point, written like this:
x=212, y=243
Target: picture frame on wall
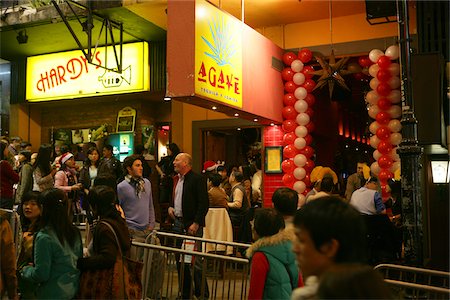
x=273, y=158
x=126, y=119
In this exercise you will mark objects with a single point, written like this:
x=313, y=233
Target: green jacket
x=55, y=270
x=282, y=276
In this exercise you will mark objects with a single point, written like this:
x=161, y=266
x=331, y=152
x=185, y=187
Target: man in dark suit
x=188, y=210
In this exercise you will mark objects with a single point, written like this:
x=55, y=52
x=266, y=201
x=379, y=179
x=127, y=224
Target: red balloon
x=383, y=89
x=310, y=126
x=289, y=113
x=310, y=99
x=288, y=166
x=309, y=112
x=383, y=133
x=289, y=99
x=384, y=103
x=359, y=76
x=309, y=165
x=287, y=74
x=308, y=71
x=385, y=194
x=385, y=161
x=364, y=61
x=307, y=151
x=289, y=138
x=289, y=125
x=288, y=179
x=308, y=138
x=306, y=191
x=384, y=147
x=309, y=85
x=385, y=175
x=305, y=55
x=290, y=86
x=307, y=180
x=383, y=75
x=383, y=117
x=384, y=62
x=289, y=57
x=289, y=151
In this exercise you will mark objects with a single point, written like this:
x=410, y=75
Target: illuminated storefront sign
x=68, y=75
x=218, y=55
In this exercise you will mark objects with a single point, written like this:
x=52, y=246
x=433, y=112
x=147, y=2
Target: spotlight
x=167, y=99
x=22, y=37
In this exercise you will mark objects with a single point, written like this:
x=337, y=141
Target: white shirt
x=178, y=198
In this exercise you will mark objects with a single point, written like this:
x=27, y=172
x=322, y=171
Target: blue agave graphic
x=222, y=47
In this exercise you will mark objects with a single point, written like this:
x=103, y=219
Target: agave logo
x=221, y=47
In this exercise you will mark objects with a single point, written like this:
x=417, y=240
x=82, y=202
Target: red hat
x=209, y=165
x=65, y=157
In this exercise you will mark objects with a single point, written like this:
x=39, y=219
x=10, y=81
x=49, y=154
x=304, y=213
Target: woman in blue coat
x=57, y=248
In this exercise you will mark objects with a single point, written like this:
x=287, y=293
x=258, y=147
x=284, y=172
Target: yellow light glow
x=68, y=75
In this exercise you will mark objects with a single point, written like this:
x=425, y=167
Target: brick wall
x=272, y=136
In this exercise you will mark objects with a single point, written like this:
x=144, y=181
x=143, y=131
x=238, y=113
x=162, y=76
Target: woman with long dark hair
x=166, y=171
x=25, y=175
x=89, y=171
x=43, y=172
x=8, y=177
x=57, y=247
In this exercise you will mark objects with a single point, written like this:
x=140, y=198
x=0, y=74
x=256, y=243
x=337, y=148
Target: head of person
x=64, y=149
x=15, y=142
x=106, y=179
x=236, y=177
x=55, y=214
x=285, y=201
x=246, y=171
x=267, y=222
x=182, y=163
x=4, y=150
x=215, y=179
x=209, y=166
x=107, y=151
x=132, y=165
x=328, y=231
x=25, y=146
x=67, y=161
x=257, y=163
x=30, y=208
x=139, y=149
x=372, y=183
x=92, y=157
x=394, y=188
x=353, y=281
x=33, y=158
x=327, y=184
x=24, y=156
x=222, y=171
x=103, y=199
x=43, y=159
x=360, y=167
x=172, y=149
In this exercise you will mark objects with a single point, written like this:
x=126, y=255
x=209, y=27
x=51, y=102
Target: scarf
x=137, y=183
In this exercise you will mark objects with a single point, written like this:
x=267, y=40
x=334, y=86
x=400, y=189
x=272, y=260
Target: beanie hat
x=209, y=166
x=65, y=157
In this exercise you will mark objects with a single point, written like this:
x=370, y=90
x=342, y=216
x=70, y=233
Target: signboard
x=126, y=119
x=67, y=75
x=218, y=55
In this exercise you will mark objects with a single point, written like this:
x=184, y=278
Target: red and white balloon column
x=297, y=124
x=385, y=108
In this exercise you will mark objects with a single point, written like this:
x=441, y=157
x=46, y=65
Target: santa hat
x=65, y=157
x=209, y=166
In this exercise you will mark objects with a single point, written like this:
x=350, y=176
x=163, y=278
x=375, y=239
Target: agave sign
x=67, y=75
x=218, y=55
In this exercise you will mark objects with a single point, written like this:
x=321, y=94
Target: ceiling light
x=239, y=128
x=214, y=107
x=167, y=98
x=236, y=115
x=272, y=124
x=255, y=120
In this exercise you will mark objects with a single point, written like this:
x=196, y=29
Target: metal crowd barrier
x=214, y=275
x=415, y=283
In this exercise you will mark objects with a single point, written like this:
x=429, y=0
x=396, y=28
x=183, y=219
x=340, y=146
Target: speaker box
x=380, y=9
x=428, y=97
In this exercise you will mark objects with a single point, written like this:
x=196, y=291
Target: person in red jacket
x=8, y=177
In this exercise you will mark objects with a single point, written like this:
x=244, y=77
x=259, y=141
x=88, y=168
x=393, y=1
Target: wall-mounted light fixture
x=440, y=171
x=167, y=98
x=22, y=37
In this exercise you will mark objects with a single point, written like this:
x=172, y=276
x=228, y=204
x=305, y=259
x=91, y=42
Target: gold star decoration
x=331, y=73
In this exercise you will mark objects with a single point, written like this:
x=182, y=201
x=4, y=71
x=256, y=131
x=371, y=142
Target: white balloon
x=375, y=168
x=373, y=111
x=297, y=65
x=374, y=83
x=392, y=52
x=395, y=138
x=301, y=106
x=373, y=70
x=300, y=93
x=302, y=119
x=299, y=78
x=375, y=54
x=372, y=97
x=395, y=111
x=395, y=125
x=394, y=155
x=376, y=154
x=395, y=166
x=299, y=186
x=394, y=68
x=394, y=96
x=301, y=200
x=300, y=160
x=299, y=173
x=373, y=127
x=374, y=141
x=394, y=82
x=301, y=131
x=300, y=143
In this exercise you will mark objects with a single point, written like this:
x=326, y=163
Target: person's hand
x=171, y=212
x=53, y=171
x=192, y=230
x=76, y=187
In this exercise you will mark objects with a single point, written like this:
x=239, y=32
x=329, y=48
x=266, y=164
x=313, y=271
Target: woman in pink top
x=66, y=180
